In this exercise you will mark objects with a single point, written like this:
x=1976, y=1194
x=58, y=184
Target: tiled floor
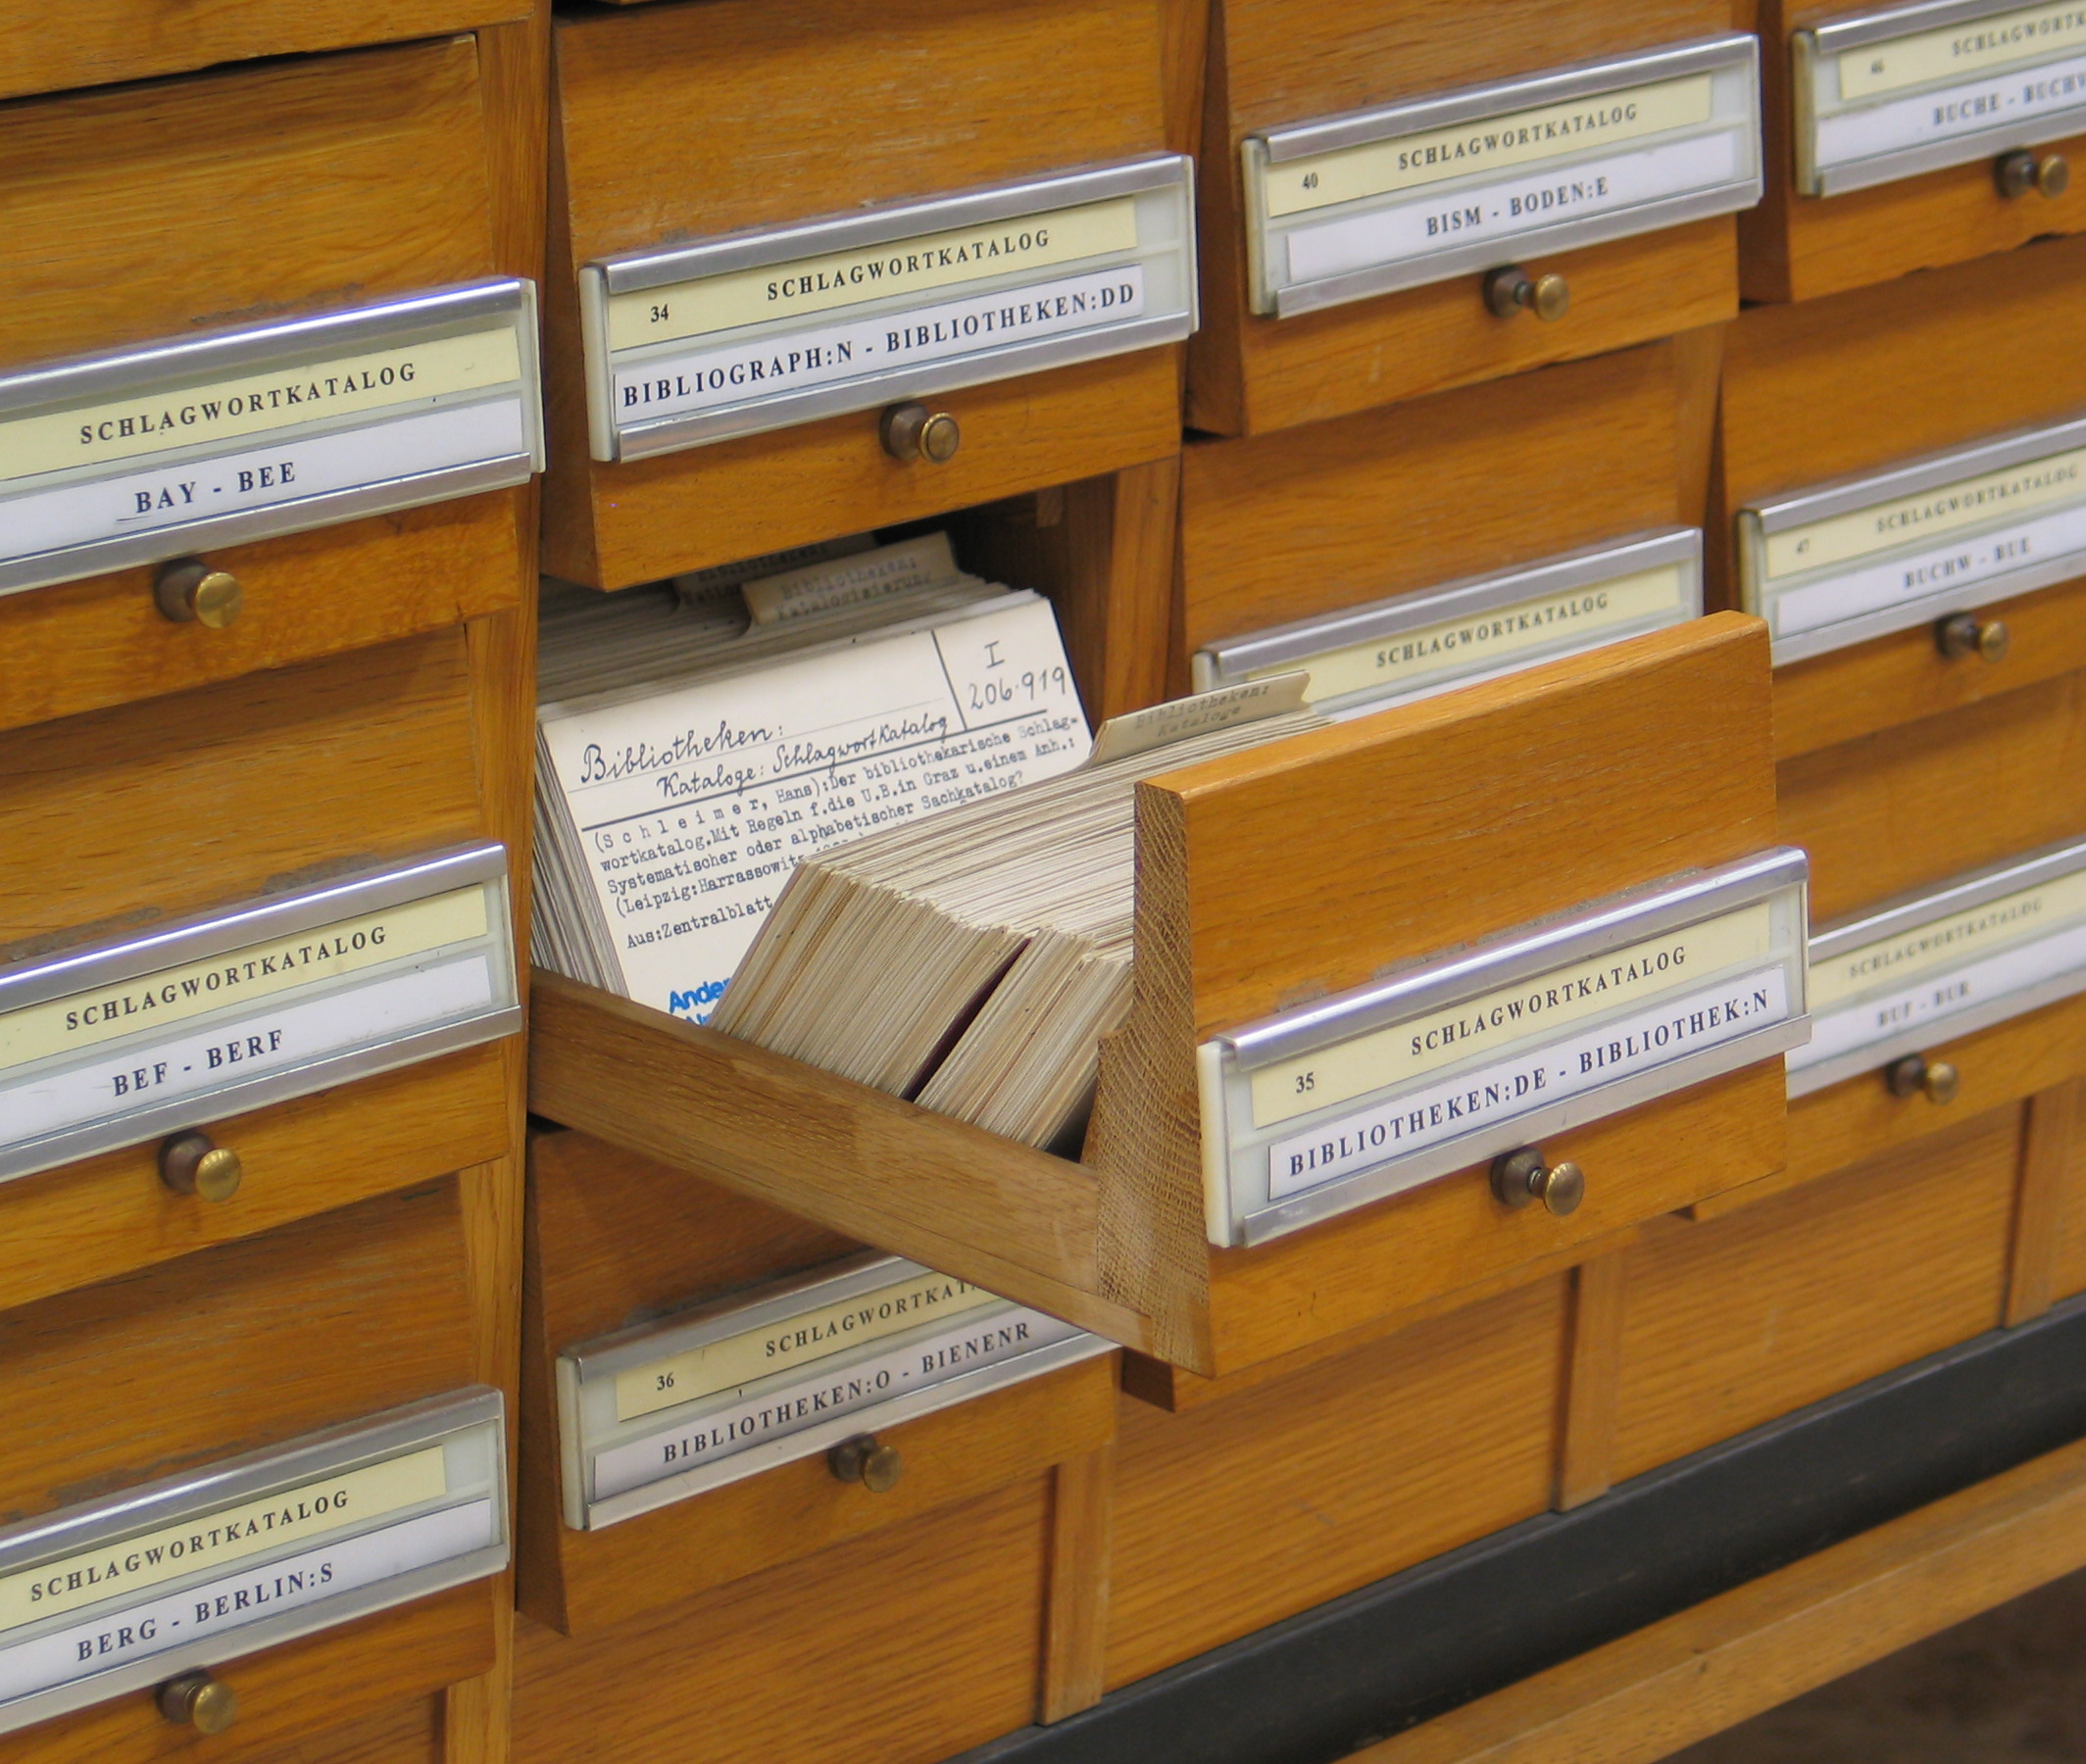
x=2008, y=1688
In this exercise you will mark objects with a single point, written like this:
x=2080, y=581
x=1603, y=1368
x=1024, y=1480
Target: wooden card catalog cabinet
x=1906, y=137
x=283, y=383
x=1386, y=215
x=152, y=453
x=1615, y=810
x=1906, y=504
x=275, y=999
x=170, y=1579
x=1940, y=964
x=807, y=1368
x=786, y=322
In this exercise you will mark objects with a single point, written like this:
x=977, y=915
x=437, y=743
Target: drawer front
x=327, y=185
x=682, y=125
x=1280, y=531
x=1885, y=139
x=102, y=41
x=916, y=1642
x=1324, y=1480
x=92, y=1220
x=1874, y=406
x=1920, y=803
x=603, y=1544
x=1731, y=1322
x=1273, y=71
x=257, y=1326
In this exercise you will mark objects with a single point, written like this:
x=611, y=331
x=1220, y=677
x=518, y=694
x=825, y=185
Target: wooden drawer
x=1730, y=1322
x=679, y=124
x=1290, y=528
x=1918, y=802
x=309, y=187
x=1193, y=1251
x=615, y=1240
x=912, y=1642
x=1353, y=1468
x=1273, y=69
x=256, y=1327
x=1820, y=401
x=1891, y=191
x=103, y=41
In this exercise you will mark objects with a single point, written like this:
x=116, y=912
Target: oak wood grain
x=1734, y=1321
x=1712, y=1666
x=358, y=1693
x=908, y=1644
x=1593, y=1368
x=255, y=1332
x=98, y=42
x=2050, y=1154
x=1798, y=247
x=1082, y=1520
x=97, y=1218
x=1917, y=803
x=680, y=121
x=113, y=820
x=1284, y=526
x=1248, y=1510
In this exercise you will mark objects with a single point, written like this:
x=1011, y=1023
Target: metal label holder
x=1845, y=1047
x=1732, y=62
x=1814, y=57
x=100, y=974
x=158, y=373
x=468, y=1426
x=587, y=1412
x=1757, y=524
x=1161, y=188
x=1296, y=645
x=1239, y=1175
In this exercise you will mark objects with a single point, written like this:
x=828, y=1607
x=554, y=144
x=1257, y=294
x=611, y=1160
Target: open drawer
x=1617, y=809
x=712, y=1388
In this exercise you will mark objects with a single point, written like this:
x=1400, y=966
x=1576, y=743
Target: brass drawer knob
x=193, y=1164
x=912, y=431
x=189, y=592
x=876, y=1467
x=1916, y=1074
x=1513, y=289
x=198, y=1700
x=2021, y=170
x=1965, y=634
x=1520, y=1177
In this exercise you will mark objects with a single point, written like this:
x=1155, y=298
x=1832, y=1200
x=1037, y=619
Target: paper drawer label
x=1888, y=97
x=1949, y=532
x=102, y=1600
x=1333, y=1105
x=1972, y=953
x=147, y=453
x=732, y=336
x=112, y=1045
x=668, y=1410
x=1388, y=652
x=1415, y=192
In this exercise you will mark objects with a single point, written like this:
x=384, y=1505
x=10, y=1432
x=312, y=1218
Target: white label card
x=140, y=455
x=736, y=336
